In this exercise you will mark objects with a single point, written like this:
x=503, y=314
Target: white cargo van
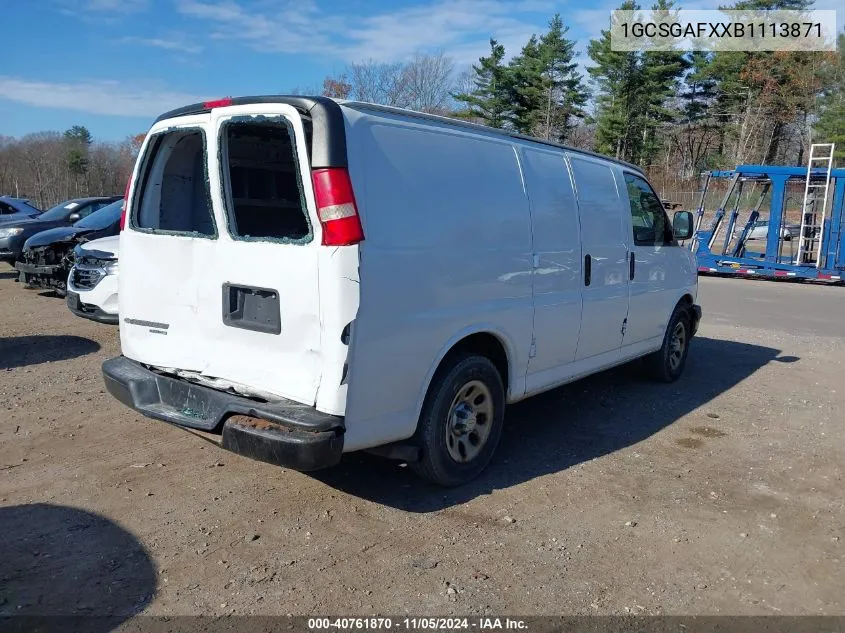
x=302, y=277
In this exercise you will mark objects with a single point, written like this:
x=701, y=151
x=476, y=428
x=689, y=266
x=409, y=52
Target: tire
x=667, y=364
x=466, y=400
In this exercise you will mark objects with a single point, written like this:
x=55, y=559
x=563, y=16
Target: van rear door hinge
x=532, y=351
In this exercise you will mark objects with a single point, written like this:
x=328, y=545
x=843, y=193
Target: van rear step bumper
x=283, y=432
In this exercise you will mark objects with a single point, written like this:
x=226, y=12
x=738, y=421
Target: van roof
x=325, y=112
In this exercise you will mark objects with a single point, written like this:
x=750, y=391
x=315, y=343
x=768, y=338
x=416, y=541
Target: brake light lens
x=125, y=203
x=336, y=207
x=218, y=103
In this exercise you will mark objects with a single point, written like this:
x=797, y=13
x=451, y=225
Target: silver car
x=760, y=231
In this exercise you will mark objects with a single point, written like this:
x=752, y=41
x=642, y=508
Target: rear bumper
x=283, y=432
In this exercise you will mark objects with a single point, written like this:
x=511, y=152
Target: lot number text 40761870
x=416, y=624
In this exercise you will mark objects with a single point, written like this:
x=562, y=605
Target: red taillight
x=125, y=203
x=218, y=103
x=336, y=207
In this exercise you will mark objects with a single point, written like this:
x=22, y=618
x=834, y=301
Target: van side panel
x=557, y=276
x=447, y=251
x=604, y=234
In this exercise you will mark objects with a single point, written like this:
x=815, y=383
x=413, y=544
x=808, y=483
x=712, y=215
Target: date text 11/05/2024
x=416, y=624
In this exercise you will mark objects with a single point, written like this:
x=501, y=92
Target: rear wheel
x=667, y=364
x=461, y=421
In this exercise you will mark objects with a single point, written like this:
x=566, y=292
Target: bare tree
x=463, y=84
x=424, y=83
x=582, y=136
x=336, y=87
x=427, y=80
x=378, y=83
x=36, y=166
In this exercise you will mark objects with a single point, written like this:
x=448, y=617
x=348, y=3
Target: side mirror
x=682, y=225
x=73, y=217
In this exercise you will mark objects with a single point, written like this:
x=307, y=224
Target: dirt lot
x=720, y=494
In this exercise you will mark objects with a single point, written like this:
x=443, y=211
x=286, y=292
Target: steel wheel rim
x=469, y=421
x=676, y=345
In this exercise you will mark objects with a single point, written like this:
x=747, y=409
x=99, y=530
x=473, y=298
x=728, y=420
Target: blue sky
x=114, y=65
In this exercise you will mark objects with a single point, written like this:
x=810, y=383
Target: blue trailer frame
x=772, y=263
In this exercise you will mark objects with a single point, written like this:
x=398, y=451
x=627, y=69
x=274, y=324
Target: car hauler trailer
x=816, y=253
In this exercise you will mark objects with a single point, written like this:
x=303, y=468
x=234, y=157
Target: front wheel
x=667, y=364
x=461, y=421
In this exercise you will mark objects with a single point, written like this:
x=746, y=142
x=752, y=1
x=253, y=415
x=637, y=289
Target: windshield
x=59, y=212
x=14, y=205
x=103, y=218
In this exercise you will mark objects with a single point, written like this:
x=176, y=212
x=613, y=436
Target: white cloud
x=174, y=42
x=111, y=98
x=121, y=6
x=103, y=6
x=461, y=27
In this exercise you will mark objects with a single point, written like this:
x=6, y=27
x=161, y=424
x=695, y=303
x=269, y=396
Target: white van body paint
x=466, y=230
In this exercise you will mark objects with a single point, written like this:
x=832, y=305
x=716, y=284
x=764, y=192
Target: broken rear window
x=261, y=177
x=174, y=192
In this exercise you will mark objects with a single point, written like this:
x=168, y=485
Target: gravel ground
x=720, y=494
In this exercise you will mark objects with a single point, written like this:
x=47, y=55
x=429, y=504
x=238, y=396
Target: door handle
x=588, y=265
x=631, y=267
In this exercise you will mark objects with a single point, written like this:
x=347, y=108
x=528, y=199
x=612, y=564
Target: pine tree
x=617, y=77
x=79, y=134
x=566, y=94
x=770, y=5
x=697, y=132
x=661, y=71
x=78, y=140
x=699, y=88
x=546, y=88
x=489, y=101
x=526, y=87
x=830, y=127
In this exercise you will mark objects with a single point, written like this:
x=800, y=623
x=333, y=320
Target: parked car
x=47, y=256
x=14, y=234
x=760, y=231
x=16, y=209
x=92, y=283
x=361, y=277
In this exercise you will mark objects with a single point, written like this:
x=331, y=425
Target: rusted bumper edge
x=281, y=432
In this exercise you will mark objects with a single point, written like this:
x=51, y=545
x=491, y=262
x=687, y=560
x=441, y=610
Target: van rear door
x=219, y=259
